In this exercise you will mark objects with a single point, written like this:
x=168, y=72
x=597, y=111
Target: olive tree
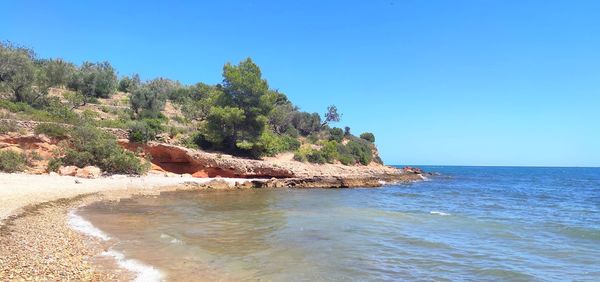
x=94, y=80
x=17, y=72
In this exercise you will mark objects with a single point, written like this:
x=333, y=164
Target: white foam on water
x=144, y=273
x=438, y=213
x=79, y=224
x=173, y=240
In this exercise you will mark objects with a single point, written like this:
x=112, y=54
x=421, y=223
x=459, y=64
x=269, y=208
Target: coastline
x=37, y=238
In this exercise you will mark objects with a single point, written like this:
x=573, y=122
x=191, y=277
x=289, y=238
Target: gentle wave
x=79, y=224
x=171, y=239
x=439, y=213
x=143, y=272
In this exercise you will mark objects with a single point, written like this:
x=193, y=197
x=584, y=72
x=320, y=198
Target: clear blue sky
x=438, y=82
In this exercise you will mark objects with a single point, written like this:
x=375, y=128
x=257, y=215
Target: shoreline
x=36, y=228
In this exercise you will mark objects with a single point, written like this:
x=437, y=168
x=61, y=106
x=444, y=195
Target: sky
x=438, y=82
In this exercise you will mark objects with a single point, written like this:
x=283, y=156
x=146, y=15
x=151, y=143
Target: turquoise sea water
x=468, y=223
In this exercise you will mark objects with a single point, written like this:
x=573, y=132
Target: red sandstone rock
x=201, y=164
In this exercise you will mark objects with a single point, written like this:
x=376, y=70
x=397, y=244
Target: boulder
x=68, y=170
x=89, y=172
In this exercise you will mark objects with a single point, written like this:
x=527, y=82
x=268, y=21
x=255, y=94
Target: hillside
x=55, y=114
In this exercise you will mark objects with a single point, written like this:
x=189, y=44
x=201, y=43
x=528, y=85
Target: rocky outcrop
x=85, y=172
x=180, y=160
x=334, y=182
x=70, y=170
x=89, y=172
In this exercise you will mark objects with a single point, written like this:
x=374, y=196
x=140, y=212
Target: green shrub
x=300, y=157
x=273, y=144
x=15, y=107
x=368, y=136
x=52, y=130
x=316, y=157
x=8, y=126
x=329, y=151
x=112, y=123
x=11, y=161
x=92, y=146
x=145, y=130
x=54, y=164
x=361, y=150
x=336, y=134
x=347, y=159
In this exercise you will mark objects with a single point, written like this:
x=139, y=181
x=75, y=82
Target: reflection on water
x=478, y=224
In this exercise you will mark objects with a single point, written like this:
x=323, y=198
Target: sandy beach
x=20, y=190
x=37, y=239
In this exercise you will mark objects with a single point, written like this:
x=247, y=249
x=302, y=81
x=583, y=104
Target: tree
x=336, y=134
x=306, y=123
x=56, y=71
x=347, y=131
x=245, y=89
x=146, y=101
x=94, y=80
x=74, y=99
x=163, y=86
x=17, y=72
x=222, y=126
x=197, y=100
x=129, y=84
x=281, y=117
x=368, y=136
x=331, y=115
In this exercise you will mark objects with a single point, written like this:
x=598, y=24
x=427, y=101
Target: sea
x=460, y=224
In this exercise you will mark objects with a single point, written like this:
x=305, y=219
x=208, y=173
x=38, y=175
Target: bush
x=145, y=130
x=368, y=136
x=52, y=130
x=92, y=146
x=15, y=107
x=360, y=150
x=329, y=151
x=336, y=134
x=11, y=161
x=316, y=157
x=112, y=123
x=299, y=157
x=54, y=164
x=8, y=126
x=347, y=159
x=273, y=144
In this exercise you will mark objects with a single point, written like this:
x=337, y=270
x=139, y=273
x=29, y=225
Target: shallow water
x=469, y=223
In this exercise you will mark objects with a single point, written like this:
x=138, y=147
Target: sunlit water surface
x=469, y=223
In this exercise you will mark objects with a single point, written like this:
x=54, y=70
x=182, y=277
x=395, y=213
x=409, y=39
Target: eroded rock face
x=180, y=160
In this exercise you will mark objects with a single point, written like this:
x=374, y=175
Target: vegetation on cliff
x=242, y=116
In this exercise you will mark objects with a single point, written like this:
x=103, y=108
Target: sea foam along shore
x=142, y=271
